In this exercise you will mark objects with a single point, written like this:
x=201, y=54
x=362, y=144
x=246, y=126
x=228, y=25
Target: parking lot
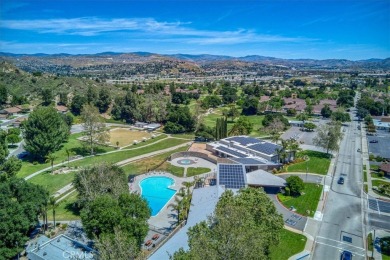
x=381, y=148
x=302, y=137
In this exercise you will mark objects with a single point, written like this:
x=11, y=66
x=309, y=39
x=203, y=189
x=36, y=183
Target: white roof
x=263, y=178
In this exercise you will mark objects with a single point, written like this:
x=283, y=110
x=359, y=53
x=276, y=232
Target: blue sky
x=349, y=29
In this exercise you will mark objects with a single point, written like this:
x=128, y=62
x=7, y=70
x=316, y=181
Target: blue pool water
x=155, y=190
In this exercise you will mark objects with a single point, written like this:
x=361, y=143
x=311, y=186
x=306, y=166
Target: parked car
x=346, y=255
x=373, y=141
x=341, y=180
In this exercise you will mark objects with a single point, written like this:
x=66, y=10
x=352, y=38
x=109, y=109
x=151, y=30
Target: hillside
x=117, y=65
x=22, y=83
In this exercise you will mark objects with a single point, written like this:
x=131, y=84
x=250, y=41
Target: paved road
x=342, y=225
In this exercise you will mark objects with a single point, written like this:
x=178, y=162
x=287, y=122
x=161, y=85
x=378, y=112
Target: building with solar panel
x=252, y=152
x=235, y=177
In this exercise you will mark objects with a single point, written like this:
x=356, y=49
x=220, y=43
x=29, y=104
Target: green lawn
x=256, y=120
x=192, y=171
x=307, y=201
x=73, y=144
x=318, y=163
x=290, y=244
x=52, y=182
x=365, y=176
x=126, y=154
x=190, y=136
x=379, y=182
x=66, y=210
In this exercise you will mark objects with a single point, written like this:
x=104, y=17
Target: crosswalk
x=341, y=245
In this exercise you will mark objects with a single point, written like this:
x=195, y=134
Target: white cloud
x=147, y=28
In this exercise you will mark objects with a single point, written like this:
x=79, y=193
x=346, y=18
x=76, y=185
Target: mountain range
x=181, y=62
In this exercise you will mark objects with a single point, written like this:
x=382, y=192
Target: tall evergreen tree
x=44, y=132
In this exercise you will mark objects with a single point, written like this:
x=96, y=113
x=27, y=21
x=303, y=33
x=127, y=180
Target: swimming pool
x=157, y=192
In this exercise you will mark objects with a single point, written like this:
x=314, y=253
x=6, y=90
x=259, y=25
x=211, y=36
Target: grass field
x=189, y=136
x=142, y=166
x=66, y=210
x=318, y=163
x=73, y=144
x=256, y=120
x=125, y=136
x=192, y=171
x=307, y=201
x=52, y=182
x=290, y=244
x=126, y=154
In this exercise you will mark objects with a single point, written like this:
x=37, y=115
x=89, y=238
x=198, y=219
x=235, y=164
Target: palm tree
x=68, y=154
x=53, y=204
x=177, y=206
x=50, y=158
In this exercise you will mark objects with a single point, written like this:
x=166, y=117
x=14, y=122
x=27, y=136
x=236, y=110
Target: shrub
x=35, y=162
x=371, y=157
x=295, y=184
x=381, y=174
x=287, y=191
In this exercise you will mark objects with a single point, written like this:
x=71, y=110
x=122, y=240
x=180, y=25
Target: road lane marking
x=340, y=248
x=341, y=242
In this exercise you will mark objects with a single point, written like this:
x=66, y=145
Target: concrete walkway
x=81, y=158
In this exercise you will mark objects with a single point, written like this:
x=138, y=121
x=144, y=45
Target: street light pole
x=307, y=166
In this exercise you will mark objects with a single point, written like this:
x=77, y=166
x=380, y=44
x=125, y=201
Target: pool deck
x=199, y=162
x=165, y=220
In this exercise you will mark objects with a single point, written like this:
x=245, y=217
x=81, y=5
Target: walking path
x=81, y=158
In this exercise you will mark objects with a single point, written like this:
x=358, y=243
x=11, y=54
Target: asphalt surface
x=342, y=225
x=381, y=148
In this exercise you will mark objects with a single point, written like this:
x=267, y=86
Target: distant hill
x=117, y=64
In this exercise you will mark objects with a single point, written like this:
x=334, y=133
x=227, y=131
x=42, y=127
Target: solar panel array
x=247, y=161
x=244, y=140
x=266, y=148
x=231, y=175
x=230, y=151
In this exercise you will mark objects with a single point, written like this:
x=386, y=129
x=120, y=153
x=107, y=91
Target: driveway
x=290, y=218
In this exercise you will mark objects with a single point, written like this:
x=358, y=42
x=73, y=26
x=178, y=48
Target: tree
x=92, y=95
x=326, y=111
x=309, y=126
x=129, y=213
x=53, y=204
x=274, y=128
x=10, y=167
x=68, y=154
x=220, y=128
x=211, y=101
x=50, y=158
x=117, y=246
x=341, y=116
x=98, y=180
x=47, y=96
x=13, y=139
x=94, y=128
x=20, y=202
x=232, y=112
x=242, y=127
x=328, y=137
x=295, y=184
x=78, y=102
x=104, y=100
x=180, y=119
x=249, y=107
x=3, y=95
x=243, y=226
x=3, y=146
x=44, y=132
